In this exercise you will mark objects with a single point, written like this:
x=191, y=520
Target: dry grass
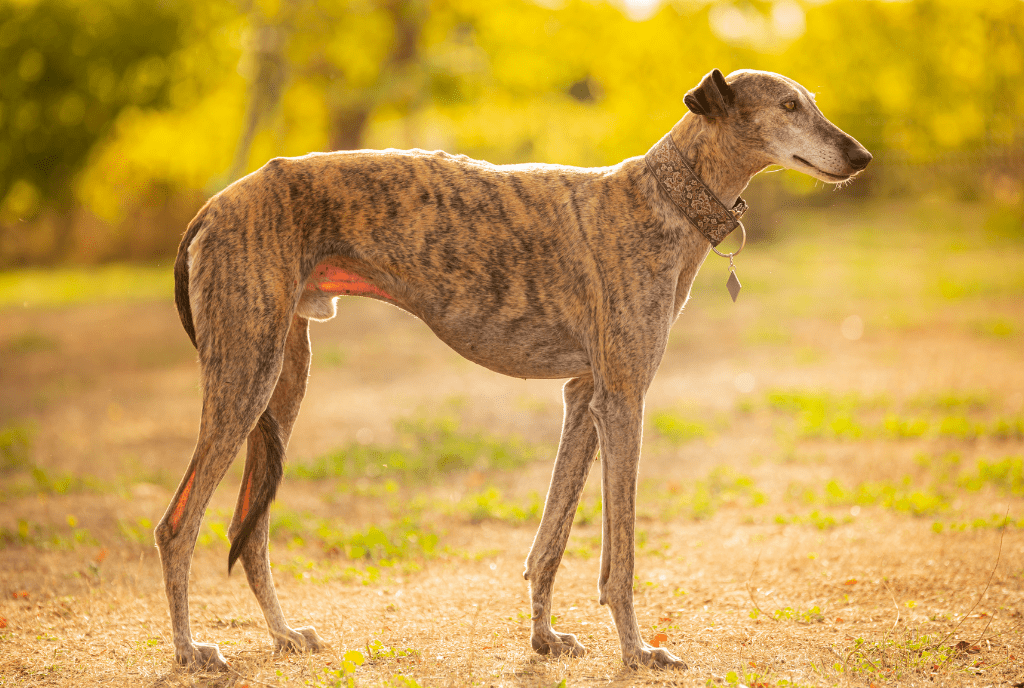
x=837, y=524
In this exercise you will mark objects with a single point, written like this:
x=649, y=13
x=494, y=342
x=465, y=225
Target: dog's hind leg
x=241, y=357
x=254, y=552
x=576, y=451
x=224, y=426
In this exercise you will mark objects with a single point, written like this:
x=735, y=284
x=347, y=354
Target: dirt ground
x=796, y=529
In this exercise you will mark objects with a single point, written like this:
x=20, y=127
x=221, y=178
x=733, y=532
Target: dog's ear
x=712, y=97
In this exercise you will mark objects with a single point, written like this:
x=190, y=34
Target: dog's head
x=776, y=118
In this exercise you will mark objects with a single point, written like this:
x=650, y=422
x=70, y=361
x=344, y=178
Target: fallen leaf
x=3, y=622
x=659, y=639
x=101, y=555
x=852, y=581
x=839, y=619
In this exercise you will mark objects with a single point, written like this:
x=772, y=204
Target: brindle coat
x=534, y=271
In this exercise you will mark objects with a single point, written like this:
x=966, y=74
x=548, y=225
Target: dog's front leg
x=575, y=456
x=619, y=420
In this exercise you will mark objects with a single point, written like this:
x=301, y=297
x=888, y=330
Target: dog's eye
x=790, y=105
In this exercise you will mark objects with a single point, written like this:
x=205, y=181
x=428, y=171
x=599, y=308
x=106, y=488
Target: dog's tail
x=262, y=475
x=181, y=299
x=267, y=468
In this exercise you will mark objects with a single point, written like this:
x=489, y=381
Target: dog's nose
x=858, y=156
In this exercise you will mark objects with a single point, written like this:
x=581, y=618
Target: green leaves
x=76, y=65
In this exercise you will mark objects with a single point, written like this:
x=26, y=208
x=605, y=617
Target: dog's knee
x=163, y=534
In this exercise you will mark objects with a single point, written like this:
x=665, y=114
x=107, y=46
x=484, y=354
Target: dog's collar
x=690, y=194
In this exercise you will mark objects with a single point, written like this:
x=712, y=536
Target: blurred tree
x=71, y=66
x=269, y=74
x=569, y=81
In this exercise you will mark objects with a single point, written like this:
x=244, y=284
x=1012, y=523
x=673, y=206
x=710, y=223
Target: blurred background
x=118, y=118
x=858, y=414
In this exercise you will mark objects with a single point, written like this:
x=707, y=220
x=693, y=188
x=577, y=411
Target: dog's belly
x=519, y=347
x=515, y=350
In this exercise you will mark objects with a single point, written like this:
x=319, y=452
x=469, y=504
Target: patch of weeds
x=900, y=655
x=942, y=416
x=1006, y=475
x=815, y=519
x=214, y=530
x=378, y=651
x=753, y=677
x=588, y=513
x=995, y=522
x=722, y=487
x=960, y=428
x=677, y=429
x=15, y=444
x=43, y=537
x=953, y=401
x=402, y=540
x=820, y=415
x=894, y=427
x=426, y=450
x=140, y=532
x=384, y=544
x=808, y=616
x=489, y=506
x=897, y=497
x=1007, y=428
x=64, y=483
x=343, y=676
x=322, y=571
x=31, y=342
x=583, y=547
x=22, y=476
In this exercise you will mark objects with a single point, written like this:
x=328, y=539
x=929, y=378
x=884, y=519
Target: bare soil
x=112, y=392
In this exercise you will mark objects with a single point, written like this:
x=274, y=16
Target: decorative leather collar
x=690, y=194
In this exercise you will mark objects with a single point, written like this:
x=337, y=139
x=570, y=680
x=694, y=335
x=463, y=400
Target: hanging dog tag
x=733, y=285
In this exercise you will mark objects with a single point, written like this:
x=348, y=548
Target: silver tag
x=733, y=285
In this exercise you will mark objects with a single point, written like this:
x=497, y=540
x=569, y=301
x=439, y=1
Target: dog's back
x=515, y=295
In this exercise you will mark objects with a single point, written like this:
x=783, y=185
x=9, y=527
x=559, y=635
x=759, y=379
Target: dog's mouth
x=831, y=177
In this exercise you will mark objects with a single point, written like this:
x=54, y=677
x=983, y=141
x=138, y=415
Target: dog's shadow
x=240, y=673
x=537, y=671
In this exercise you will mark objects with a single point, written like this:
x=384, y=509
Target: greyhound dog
x=533, y=271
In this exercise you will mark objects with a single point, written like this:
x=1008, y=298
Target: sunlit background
x=119, y=117
x=832, y=483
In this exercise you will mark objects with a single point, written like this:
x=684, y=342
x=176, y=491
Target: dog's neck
x=717, y=158
x=689, y=193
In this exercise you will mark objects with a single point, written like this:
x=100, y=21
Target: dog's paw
x=201, y=657
x=557, y=644
x=303, y=639
x=653, y=658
